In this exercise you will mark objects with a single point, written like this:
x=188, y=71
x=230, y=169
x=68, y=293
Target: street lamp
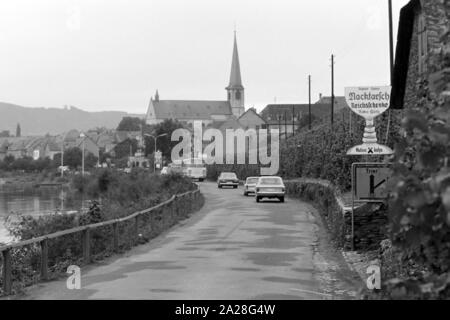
x=62, y=154
x=155, y=138
x=82, y=136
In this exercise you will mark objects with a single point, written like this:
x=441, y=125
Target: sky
x=113, y=54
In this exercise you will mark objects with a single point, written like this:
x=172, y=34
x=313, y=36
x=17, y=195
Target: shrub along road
x=233, y=248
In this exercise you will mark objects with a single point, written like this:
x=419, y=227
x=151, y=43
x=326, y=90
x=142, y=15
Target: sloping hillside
x=39, y=121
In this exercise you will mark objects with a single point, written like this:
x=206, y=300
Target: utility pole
x=391, y=64
x=391, y=41
x=285, y=124
x=293, y=123
x=83, y=137
x=279, y=126
x=332, y=89
x=309, y=103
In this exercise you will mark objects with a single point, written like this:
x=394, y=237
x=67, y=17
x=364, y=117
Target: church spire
x=235, y=75
x=235, y=89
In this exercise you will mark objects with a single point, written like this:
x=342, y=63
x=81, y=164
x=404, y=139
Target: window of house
x=423, y=43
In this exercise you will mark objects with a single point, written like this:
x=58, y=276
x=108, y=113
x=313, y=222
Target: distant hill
x=40, y=121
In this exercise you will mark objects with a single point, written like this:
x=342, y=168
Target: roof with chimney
x=339, y=102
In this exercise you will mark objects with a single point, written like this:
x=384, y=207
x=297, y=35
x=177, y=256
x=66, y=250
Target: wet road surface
x=234, y=248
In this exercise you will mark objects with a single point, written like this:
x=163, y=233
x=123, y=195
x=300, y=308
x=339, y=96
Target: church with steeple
x=210, y=112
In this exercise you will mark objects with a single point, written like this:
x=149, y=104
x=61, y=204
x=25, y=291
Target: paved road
x=233, y=248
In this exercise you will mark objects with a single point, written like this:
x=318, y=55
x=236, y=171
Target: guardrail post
x=171, y=208
x=7, y=272
x=87, y=245
x=116, y=236
x=44, y=259
x=175, y=206
x=136, y=230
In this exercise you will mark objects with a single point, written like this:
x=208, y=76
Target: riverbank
x=25, y=180
x=120, y=195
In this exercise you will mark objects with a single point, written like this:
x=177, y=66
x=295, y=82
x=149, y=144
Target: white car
x=164, y=171
x=270, y=187
x=250, y=184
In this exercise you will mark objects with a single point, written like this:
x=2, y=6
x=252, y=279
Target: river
x=35, y=202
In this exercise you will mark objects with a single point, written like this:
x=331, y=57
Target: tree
x=4, y=134
x=18, y=130
x=104, y=156
x=72, y=157
x=90, y=161
x=419, y=208
x=164, y=144
x=122, y=150
x=130, y=124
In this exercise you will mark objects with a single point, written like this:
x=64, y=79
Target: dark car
x=227, y=179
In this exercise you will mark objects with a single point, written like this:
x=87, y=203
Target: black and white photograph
x=224, y=158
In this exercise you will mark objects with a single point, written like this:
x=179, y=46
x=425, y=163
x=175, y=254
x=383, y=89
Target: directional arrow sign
x=370, y=180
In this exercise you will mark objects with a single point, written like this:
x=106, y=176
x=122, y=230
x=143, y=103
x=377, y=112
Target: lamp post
x=155, y=138
x=82, y=136
x=62, y=154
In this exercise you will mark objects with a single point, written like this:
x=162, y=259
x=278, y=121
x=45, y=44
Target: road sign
x=369, y=181
x=369, y=102
x=368, y=149
x=158, y=156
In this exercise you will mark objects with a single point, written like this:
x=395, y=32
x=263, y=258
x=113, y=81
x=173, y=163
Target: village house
x=289, y=118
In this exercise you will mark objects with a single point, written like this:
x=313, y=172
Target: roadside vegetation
x=114, y=194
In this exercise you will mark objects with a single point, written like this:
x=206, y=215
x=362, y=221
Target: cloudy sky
x=114, y=54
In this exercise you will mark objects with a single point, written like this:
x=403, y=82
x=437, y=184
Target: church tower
x=235, y=90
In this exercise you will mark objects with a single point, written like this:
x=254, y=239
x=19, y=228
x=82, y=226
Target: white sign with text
x=369, y=102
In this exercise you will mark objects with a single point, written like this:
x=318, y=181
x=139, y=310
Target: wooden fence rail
x=85, y=232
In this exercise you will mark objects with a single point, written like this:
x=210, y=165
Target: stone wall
x=370, y=220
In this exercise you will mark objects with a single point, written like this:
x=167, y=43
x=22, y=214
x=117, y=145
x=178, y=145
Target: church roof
x=190, y=109
x=235, y=74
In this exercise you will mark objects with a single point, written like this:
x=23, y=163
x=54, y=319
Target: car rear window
x=228, y=175
x=252, y=180
x=270, y=180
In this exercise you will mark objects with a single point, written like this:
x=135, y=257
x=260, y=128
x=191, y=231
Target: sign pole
x=353, y=210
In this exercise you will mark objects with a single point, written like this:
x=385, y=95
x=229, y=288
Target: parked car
x=194, y=169
x=164, y=171
x=127, y=170
x=250, y=184
x=270, y=187
x=227, y=179
x=63, y=168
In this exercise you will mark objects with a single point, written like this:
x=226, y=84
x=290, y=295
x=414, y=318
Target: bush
x=119, y=195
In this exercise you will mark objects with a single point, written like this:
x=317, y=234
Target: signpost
x=158, y=159
x=369, y=180
x=369, y=102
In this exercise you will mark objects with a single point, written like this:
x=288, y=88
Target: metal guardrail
x=86, y=240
